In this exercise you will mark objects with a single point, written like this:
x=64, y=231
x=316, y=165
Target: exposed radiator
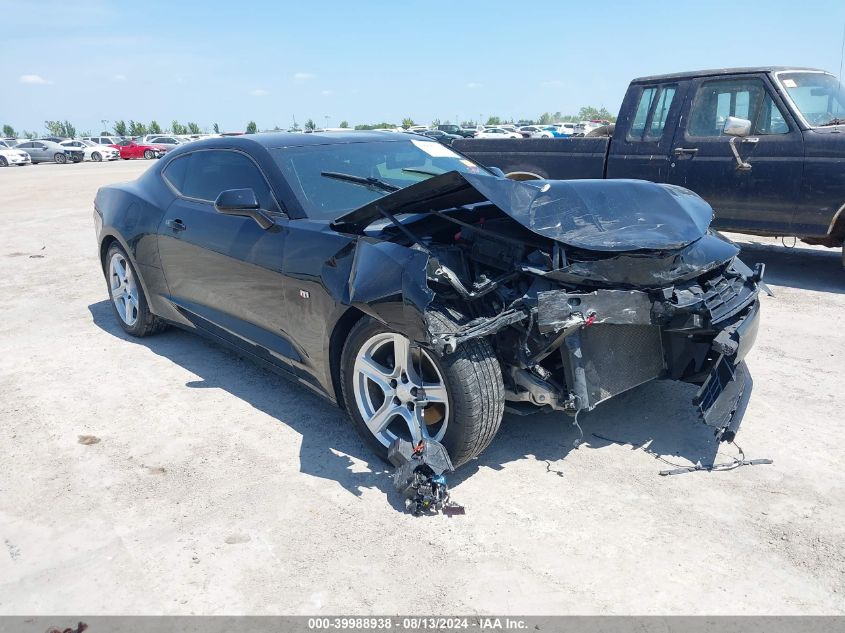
x=605, y=360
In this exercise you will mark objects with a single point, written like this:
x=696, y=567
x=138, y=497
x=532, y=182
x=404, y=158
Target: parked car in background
x=44, y=151
x=567, y=128
x=92, y=151
x=8, y=143
x=441, y=137
x=103, y=140
x=585, y=127
x=13, y=156
x=169, y=141
x=469, y=132
x=527, y=131
x=550, y=131
x=451, y=128
x=764, y=146
x=134, y=149
x=497, y=132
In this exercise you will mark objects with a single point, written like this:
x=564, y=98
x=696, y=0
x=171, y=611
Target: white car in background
x=93, y=151
x=103, y=140
x=497, y=132
x=11, y=156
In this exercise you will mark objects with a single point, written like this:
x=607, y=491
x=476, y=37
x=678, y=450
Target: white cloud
x=119, y=77
x=327, y=92
x=259, y=92
x=33, y=79
x=303, y=76
x=473, y=85
x=551, y=83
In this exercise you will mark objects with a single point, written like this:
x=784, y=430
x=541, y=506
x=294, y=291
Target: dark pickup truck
x=764, y=146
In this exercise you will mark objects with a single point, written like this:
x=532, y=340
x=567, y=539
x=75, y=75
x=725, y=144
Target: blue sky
x=231, y=62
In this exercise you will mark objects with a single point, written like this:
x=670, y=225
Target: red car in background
x=134, y=149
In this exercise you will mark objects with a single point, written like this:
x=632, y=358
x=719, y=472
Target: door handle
x=681, y=151
x=176, y=225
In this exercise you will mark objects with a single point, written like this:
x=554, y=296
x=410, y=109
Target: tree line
x=137, y=128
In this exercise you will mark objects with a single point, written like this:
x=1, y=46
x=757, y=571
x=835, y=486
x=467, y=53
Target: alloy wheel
x=399, y=390
x=124, y=289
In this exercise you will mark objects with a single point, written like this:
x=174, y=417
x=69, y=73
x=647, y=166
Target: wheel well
x=339, y=335
x=104, y=248
x=523, y=175
x=837, y=226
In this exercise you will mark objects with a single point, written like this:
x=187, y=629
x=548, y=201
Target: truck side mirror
x=734, y=126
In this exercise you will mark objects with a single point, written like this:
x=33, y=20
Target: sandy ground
x=217, y=487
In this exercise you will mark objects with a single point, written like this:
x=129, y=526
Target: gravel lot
x=217, y=487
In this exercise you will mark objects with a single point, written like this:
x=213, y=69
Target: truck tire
x=376, y=390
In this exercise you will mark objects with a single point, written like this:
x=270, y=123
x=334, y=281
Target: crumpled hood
x=598, y=215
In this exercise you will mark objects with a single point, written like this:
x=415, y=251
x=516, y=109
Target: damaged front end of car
x=585, y=289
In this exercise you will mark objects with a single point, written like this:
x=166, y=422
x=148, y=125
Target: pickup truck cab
x=764, y=146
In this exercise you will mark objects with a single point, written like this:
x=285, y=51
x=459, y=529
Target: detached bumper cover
x=724, y=395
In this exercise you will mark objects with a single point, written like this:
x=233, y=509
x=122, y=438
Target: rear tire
x=128, y=301
x=472, y=378
x=61, y=159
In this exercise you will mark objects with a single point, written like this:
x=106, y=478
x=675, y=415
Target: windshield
x=396, y=163
x=817, y=96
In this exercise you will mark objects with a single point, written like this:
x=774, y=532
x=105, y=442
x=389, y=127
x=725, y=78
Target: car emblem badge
x=304, y=294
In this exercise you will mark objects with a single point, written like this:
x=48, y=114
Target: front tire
x=394, y=390
x=148, y=154
x=3, y=162
x=61, y=159
x=127, y=295
x=96, y=157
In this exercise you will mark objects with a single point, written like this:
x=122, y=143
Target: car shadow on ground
x=797, y=267
x=654, y=418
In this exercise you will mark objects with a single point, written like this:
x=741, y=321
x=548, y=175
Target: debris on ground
x=420, y=478
x=80, y=627
x=680, y=469
x=87, y=440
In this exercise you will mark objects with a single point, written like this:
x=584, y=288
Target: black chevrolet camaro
x=426, y=294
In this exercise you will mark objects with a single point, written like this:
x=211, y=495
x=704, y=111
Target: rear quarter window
x=175, y=172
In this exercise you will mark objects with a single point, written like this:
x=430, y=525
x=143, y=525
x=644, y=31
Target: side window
x=746, y=98
x=175, y=172
x=205, y=174
x=661, y=111
x=641, y=116
x=770, y=120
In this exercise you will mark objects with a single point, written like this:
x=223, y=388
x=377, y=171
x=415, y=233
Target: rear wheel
x=393, y=389
x=127, y=296
x=148, y=154
x=96, y=157
x=60, y=158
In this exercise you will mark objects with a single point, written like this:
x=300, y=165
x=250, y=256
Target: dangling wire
x=794, y=242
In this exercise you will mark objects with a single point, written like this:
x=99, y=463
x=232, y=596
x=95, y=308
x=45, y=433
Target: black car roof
x=720, y=71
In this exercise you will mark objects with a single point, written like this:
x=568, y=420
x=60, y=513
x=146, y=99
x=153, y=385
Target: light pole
x=326, y=117
x=105, y=123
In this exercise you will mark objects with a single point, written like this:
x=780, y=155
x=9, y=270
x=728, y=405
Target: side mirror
x=734, y=126
x=498, y=172
x=244, y=203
